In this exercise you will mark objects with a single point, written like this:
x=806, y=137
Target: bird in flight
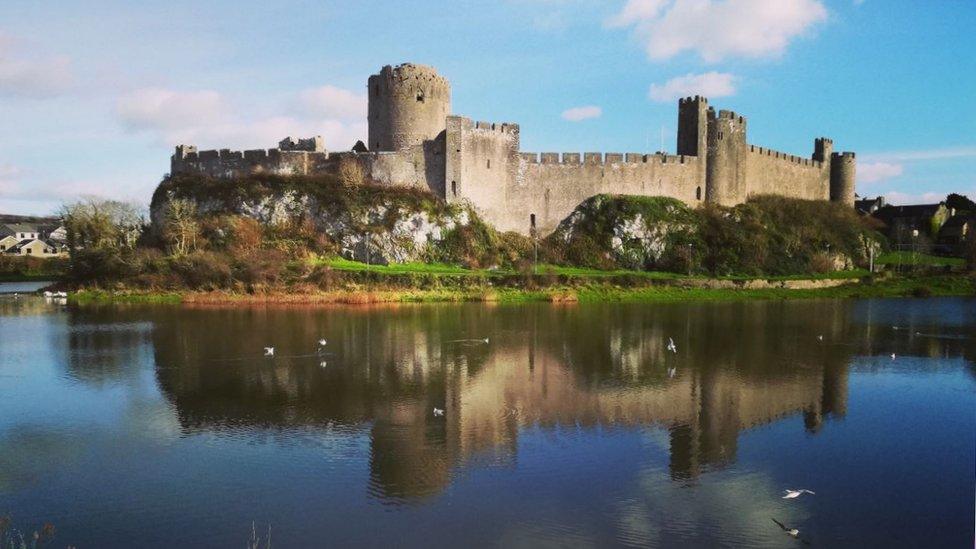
x=671, y=346
x=438, y=412
x=790, y=494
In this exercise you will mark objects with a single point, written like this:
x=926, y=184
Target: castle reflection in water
x=738, y=366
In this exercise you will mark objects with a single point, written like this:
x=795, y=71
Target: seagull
x=790, y=494
x=791, y=531
x=671, y=371
x=892, y=356
x=671, y=346
x=269, y=351
x=438, y=412
x=323, y=364
x=820, y=338
x=322, y=343
x=48, y=294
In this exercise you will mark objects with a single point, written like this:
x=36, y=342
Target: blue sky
x=94, y=95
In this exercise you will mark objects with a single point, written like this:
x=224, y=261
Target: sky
x=94, y=94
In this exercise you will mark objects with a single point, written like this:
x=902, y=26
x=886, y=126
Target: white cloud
x=332, y=102
x=899, y=198
x=709, y=84
x=635, y=11
x=717, y=29
x=577, y=114
x=208, y=119
x=32, y=76
x=872, y=172
x=964, y=151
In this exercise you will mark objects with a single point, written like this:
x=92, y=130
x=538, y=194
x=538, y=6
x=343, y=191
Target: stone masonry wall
x=774, y=172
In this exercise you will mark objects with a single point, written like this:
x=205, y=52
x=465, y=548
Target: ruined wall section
x=773, y=172
x=419, y=167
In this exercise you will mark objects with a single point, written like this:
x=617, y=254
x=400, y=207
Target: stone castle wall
x=414, y=141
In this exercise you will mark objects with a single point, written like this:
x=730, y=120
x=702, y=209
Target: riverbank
x=562, y=290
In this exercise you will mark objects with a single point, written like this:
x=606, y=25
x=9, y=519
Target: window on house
x=698, y=193
x=454, y=188
x=28, y=251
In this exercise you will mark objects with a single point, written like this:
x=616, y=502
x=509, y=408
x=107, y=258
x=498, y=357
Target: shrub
x=203, y=270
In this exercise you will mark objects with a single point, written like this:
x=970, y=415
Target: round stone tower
x=408, y=104
x=843, y=167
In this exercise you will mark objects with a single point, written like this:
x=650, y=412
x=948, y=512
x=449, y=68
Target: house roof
x=18, y=246
x=20, y=228
x=914, y=211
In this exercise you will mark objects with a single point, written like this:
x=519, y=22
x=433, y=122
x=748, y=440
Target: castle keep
x=414, y=140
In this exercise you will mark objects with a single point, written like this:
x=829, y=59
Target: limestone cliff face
x=378, y=225
x=633, y=232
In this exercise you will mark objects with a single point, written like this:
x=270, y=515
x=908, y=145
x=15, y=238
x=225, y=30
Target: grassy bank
x=574, y=291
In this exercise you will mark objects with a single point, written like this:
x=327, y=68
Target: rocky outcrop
x=378, y=226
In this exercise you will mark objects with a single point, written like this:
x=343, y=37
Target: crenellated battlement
x=595, y=158
x=786, y=157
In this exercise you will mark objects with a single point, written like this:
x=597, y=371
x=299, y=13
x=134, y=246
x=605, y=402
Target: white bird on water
x=790, y=494
x=671, y=371
x=322, y=343
x=820, y=338
x=892, y=356
x=438, y=412
x=671, y=346
x=269, y=351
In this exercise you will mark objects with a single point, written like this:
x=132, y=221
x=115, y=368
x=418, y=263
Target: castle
x=414, y=140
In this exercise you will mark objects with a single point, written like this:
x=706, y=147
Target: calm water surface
x=165, y=426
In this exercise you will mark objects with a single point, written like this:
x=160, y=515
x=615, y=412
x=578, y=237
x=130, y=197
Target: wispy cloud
x=577, y=114
x=27, y=75
x=209, y=119
x=718, y=29
x=709, y=84
x=963, y=151
x=872, y=172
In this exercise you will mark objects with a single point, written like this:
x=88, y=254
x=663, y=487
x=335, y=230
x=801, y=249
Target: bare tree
x=181, y=227
x=96, y=223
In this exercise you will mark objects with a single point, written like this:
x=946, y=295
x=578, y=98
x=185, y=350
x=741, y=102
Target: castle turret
x=843, y=168
x=408, y=104
x=822, y=149
x=693, y=135
x=725, y=181
x=177, y=162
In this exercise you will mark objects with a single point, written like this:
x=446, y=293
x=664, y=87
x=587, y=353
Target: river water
x=165, y=426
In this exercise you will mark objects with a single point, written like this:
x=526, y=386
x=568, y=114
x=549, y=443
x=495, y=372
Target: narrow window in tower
x=532, y=221
x=698, y=193
x=454, y=188
x=489, y=163
x=420, y=96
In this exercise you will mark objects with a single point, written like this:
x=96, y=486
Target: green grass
x=909, y=258
x=596, y=291
x=343, y=264
x=574, y=272
x=104, y=296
